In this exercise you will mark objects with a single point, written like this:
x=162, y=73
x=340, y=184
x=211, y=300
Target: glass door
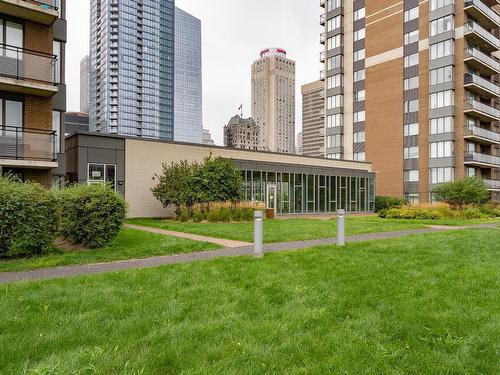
x=271, y=197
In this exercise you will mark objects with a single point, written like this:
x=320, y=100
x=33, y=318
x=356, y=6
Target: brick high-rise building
x=273, y=100
x=32, y=90
x=412, y=87
x=313, y=119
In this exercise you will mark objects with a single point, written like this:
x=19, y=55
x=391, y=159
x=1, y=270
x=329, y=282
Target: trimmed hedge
x=28, y=218
x=91, y=215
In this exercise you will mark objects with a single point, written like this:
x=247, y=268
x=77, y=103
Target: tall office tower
x=84, y=85
x=32, y=90
x=413, y=87
x=273, y=100
x=313, y=119
x=299, y=144
x=132, y=68
x=207, y=138
x=242, y=133
x=188, y=111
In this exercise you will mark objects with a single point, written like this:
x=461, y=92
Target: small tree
x=471, y=190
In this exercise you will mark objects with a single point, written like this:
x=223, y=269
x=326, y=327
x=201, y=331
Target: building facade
x=242, y=133
x=207, y=138
x=313, y=119
x=413, y=88
x=188, y=106
x=132, y=68
x=299, y=144
x=273, y=100
x=76, y=122
x=32, y=90
x=84, y=85
x=290, y=184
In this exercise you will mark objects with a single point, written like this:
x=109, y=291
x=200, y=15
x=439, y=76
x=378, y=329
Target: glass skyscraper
x=132, y=67
x=188, y=118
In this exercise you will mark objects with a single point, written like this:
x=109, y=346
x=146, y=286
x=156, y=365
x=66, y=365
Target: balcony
x=482, y=160
x=476, y=59
x=322, y=3
x=481, y=135
x=33, y=148
x=322, y=56
x=483, y=13
x=481, y=37
x=481, y=86
x=480, y=110
x=322, y=75
x=322, y=38
x=492, y=184
x=43, y=11
x=322, y=19
x=27, y=72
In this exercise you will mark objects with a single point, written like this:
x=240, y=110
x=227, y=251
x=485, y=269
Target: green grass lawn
x=129, y=244
x=297, y=229
x=425, y=304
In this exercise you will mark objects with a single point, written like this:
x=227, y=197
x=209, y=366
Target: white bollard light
x=258, y=234
x=341, y=228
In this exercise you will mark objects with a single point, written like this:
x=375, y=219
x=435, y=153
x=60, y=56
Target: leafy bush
x=473, y=213
x=198, y=217
x=28, y=218
x=411, y=212
x=91, y=215
x=471, y=190
x=385, y=203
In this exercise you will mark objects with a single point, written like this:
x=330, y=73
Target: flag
x=240, y=108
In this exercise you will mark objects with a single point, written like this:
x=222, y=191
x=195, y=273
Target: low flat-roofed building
x=300, y=184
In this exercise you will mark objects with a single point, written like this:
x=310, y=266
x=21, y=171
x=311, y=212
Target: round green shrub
x=91, y=215
x=28, y=218
x=197, y=217
x=473, y=213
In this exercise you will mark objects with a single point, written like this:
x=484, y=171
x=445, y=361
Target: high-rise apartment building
x=412, y=87
x=132, y=68
x=313, y=119
x=188, y=116
x=242, y=133
x=32, y=90
x=298, y=150
x=76, y=122
x=84, y=85
x=273, y=100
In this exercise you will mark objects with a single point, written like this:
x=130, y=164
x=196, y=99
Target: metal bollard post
x=258, y=234
x=341, y=228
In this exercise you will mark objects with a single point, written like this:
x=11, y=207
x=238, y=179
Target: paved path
x=194, y=237
x=93, y=269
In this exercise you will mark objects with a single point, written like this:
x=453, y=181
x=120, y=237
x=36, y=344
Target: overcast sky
x=233, y=33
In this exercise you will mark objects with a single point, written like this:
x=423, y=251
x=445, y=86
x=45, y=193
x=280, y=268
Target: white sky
x=233, y=33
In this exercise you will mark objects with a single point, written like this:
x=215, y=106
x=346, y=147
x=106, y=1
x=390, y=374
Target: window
x=411, y=37
x=442, y=149
x=57, y=64
x=335, y=23
x=411, y=83
x=334, y=62
x=334, y=156
x=334, y=4
x=411, y=60
x=359, y=55
x=442, y=125
x=359, y=96
x=100, y=174
x=442, y=99
x=442, y=175
x=436, y=4
x=359, y=156
x=359, y=75
x=334, y=81
x=335, y=101
x=13, y=112
x=359, y=137
x=359, y=116
x=334, y=141
x=411, y=152
x=335, y=41
x=444, y=48
x=442, y=25
x=359, y=14
x=359, y=34
x=413, y=198
x=411, y=175
x=411, y=106
x=56, y=126
x=410, y=129
x=11, y=34
x=334, y=120
x=441, y=75
x=411, y=14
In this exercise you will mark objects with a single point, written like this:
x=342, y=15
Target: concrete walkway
x=194, y=237
x=93, y=269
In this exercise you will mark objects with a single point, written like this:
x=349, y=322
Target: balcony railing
x=322, y=3
x=483, y=33
x=44, y=4
x=322, y=75
x=494, y=16
x=23, y=64
x=322, y=56
x=484, y=108
x=322, y=38
x=484, y=84
x=491, y=62
x=482, y=133
x=27, y=144
x=322, y=19
x=476, y=157
x=493, y=184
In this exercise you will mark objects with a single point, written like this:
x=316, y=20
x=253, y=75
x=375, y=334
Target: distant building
x=207, y=138
x=273, y=100
x=84, y=85
x=76, y=121
x=299, y=144
x=313, y=119
x=188, y=106
x=242, y=133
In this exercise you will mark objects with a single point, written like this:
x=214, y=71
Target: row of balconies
x=40, y=11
